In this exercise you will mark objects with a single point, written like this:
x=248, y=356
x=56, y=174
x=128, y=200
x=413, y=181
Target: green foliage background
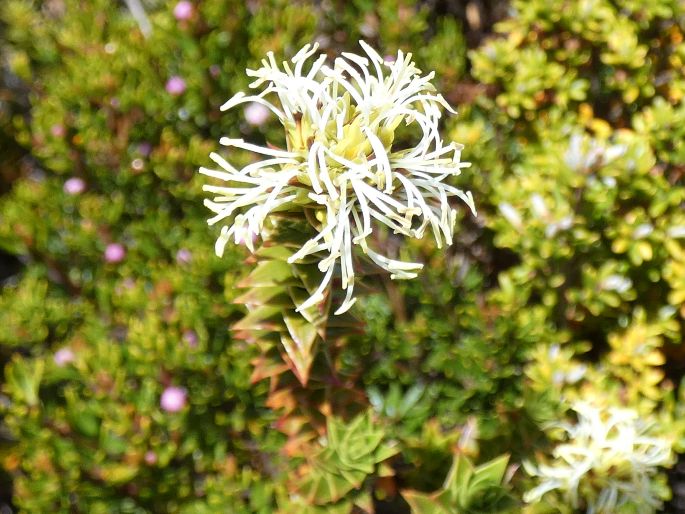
x=569, y=284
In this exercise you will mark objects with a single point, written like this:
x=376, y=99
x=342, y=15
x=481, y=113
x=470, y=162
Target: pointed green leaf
x=327, y=461
x=325, y=488
x=310, y=275
x=384, y=452
x=23, y=379
x=385, y=470
x=265, y=317
x=412, y=397
x=276, y=296
x=364, y=502
x=486, y=481
x=300, y=362
x=301, y=331
x=492, y=471
x=354, y=477
x=300, y=346
x=117, y=473
x=342, y=507
x=268, y=274
x=317, y=315
x=84, y=420
x=422, y=503
x=457, y=482
x=277, y=252
x=264, y=367
x=334, y=428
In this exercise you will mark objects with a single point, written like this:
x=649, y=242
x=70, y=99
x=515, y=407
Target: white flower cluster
x=342, y=161
x=608, y=461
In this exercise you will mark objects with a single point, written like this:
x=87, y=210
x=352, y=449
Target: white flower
x=677, y=231
x=342, y=161
x=584, y=154
x=643, y=230
x=617, y=283
x=538, y=205
x=510, y=214
x=609, y=182
x=608, y=460
x=559, y=226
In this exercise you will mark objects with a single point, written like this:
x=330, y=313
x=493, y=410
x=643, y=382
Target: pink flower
x=58, y=130
x=115, y=252
x=183, y=10
x=183, y=256
x=175, y=86
x=145, y=149
x=256, y=114
x=150, y=457
x=63, y=356
x=173, y=399
x=74, y=186
x=190, y=337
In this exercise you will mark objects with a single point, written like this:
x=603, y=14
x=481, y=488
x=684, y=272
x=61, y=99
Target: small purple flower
x=150, y=458
x=126, y=285
x=183, y=10
x=190, y=337
x=214, y=70
x=183, y=256
x=63, y=356
x=145, y=149
x=173, y=399
x=175, y=86
x=58, y=130
x=115, y=252
x=256, y=114
x=74, y=186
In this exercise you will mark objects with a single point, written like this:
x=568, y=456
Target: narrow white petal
x=239, y=143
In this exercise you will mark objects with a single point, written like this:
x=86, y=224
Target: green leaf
x=265, y=317
x=314, y=315
x=119, y=473
x=457, y=481
x=276, y=296
x=277, y=252
x=323, y=488
x=84, y=420
x=23, y=379
x=301, y=345
x=422, y=503
x=269, y=273
x=491, y=472
x=384, y=452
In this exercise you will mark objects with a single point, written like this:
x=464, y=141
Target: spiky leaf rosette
x=466, y=490
x=337, y=471
x=342, y=176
